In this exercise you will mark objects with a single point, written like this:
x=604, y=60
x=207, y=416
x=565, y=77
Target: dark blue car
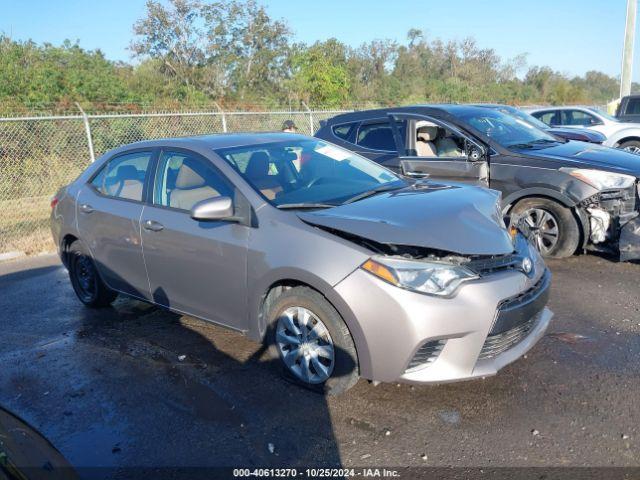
x=571, y=195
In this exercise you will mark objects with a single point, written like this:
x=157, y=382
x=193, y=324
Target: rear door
x=109, y=210
x=374, y=139
x=195, y=267
x=429, y=146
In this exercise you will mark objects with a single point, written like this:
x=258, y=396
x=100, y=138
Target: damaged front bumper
x=629, y=241
x=612, y=223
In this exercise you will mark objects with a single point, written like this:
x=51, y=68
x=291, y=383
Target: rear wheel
x=86, y=282
x=311, y=341
x=631, y=146
x=554, y=230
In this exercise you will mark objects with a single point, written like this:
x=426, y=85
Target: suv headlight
x=432, y=278
x=600, y=179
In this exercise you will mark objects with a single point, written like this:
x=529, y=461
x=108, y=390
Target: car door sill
x=175, y=310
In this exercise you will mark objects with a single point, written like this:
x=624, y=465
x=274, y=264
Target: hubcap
x=632, y=149
x=305, y=345
x=544, y=229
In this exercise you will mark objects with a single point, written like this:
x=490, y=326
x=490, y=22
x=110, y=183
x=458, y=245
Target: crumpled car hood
x=454, y=218
x=589, y=155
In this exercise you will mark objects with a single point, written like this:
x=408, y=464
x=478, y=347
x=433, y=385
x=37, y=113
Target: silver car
x=345, y=269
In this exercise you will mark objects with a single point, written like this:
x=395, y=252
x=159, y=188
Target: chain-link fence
x=40, y=154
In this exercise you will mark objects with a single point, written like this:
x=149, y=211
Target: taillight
x=54, y=202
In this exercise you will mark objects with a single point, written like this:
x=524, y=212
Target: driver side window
x=434, y=141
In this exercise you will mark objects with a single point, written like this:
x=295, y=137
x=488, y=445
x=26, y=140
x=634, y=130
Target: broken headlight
x=601, y=180
x=432, y=278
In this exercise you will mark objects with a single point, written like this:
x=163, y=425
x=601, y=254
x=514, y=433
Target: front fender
x=514, y=197
x=257, y=323
x=621, y=135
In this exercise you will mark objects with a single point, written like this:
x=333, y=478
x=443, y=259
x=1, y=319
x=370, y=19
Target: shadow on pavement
x=134, y=386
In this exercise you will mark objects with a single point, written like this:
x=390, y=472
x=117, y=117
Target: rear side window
x=123, y=176
x=377, y=136
x=343, y=131
x=184, y=180
x=550, y=117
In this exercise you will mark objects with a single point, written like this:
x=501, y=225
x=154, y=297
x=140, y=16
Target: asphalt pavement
x=136, y=386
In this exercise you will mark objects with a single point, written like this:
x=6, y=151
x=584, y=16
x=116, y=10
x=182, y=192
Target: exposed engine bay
x=609, y=216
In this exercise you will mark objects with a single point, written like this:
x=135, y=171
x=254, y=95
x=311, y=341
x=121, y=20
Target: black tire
x=86, y=281
x=633, y=146
x=568, y=235
x=345, y=372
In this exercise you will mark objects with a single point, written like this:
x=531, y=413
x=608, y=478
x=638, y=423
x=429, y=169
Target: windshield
x=308, y=173
x=516, y=112
x=507, y=130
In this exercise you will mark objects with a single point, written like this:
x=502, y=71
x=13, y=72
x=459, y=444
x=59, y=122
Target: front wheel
x=86, y=282
x=553, y=229
x=311, y=341
x=631, y=146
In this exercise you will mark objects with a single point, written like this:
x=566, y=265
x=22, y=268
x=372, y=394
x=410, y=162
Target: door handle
x=86, y=208
x=152, y=226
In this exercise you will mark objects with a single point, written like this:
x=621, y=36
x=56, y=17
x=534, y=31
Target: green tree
x=320, y=74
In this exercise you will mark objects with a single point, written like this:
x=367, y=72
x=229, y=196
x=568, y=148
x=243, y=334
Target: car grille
x=485, y=266
x=511, y=261
x=426, y=355
x=496, y=344
x=516, y=317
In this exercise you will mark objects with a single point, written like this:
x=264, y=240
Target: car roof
x=219, y=140
x=440, y=109
x=563, y=107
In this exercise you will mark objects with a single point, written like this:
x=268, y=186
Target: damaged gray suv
x=343, y=268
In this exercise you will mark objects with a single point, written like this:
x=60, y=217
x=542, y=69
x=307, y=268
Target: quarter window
x=184, y=179
x=123, y=176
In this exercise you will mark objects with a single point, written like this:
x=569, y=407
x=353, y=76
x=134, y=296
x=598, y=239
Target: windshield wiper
x=534, y=143
x=292, y=206
x=374, y=191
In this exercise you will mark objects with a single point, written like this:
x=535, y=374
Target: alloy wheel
x=632, y=149
x=305, y=345
x=544, y=229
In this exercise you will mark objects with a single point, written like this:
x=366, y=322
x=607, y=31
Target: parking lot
x=137, y=386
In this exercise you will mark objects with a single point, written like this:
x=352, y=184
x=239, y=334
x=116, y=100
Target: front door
x=429, y=146
x=109, y=210
x=195, y=267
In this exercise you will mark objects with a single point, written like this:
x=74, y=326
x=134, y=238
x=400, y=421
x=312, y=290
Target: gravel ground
x=111, y=388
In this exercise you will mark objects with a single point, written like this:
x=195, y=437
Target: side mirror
x=475, y=153
x=218, y=208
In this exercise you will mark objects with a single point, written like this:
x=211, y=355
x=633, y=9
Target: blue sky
x=572, y=36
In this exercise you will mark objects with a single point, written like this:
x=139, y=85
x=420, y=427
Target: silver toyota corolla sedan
x=345, y=269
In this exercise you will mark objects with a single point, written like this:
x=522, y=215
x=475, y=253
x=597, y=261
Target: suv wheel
x=554, y=230
x=86, y=282
x=311, y=341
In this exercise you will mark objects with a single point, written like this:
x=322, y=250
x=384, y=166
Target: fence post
x=310, y=118
x=224, y=117
x=87, y=129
